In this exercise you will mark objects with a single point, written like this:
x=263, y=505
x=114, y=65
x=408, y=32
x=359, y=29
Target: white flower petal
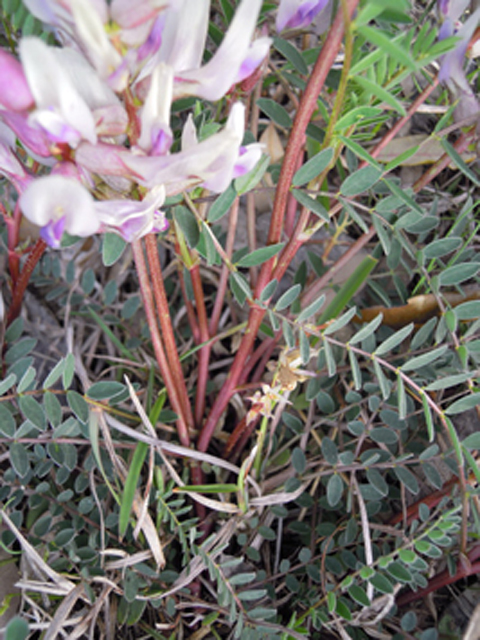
x=214, y=79
x=52, y=88
x=50, y=198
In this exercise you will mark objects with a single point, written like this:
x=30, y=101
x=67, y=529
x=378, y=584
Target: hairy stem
x=164, y=366
x=160, y=297
x=24, y=278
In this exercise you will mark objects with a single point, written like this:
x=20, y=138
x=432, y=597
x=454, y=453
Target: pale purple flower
x=71, y=105
x=256, y=54
x=133, y=218
x=183, y=43
x=58, y=204
x=247, y=158
x=81, y=24
x=298, y=13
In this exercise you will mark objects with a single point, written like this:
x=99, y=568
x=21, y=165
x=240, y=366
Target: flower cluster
x=94, y=114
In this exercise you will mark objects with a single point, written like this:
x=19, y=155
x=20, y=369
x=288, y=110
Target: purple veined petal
x=110, y=121
x=67, y=170
x=247, y=158
x=32, y=139
x=152, y=43
x=298, y=13
x=49, y=199
x=132, y=218
x=15, y=94
x=54, y=126
x=155, y=115
x=102, y=158
x=209, y=163
x=130, y=14
x=256, y=54
x=52, y=88
x=214, y=79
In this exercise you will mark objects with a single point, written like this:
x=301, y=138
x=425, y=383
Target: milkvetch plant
x=294, y=390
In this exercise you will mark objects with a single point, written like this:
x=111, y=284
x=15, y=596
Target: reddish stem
x=24, y=278
x=307, y=106
x=13, y=230
x=292, y=204
x=148, y=302
x=160, y=297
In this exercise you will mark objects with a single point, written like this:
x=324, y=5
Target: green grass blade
x=131, y=482
x=348, y=289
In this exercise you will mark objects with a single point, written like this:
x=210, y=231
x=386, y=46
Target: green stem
x=204, y=355
x=342, y=87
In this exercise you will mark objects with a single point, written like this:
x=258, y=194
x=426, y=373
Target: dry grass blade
x=178, y=450
x=473, y=629
x=60, y=617
x=41, y=568
x=147, y=524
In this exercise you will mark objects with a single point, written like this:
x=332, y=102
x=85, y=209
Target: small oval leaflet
x=299, y=460
x=17, y=629
x=360, y=181
x=458, y=273
x=105, y=389
x=313, y=167
x=275, y=112
x=112, y=248
x=334, y=490
x=259, y=256
x=288, y=297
